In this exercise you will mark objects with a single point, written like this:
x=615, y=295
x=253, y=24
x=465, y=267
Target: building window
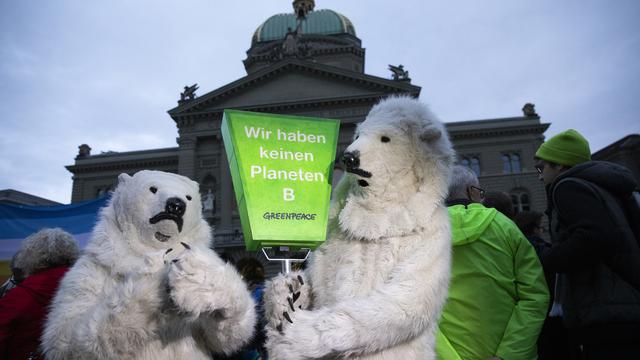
x=506, y=164
x=475, y=165
x=515, y=163
x=520, y=200
x=102, y=191
x=511, y=163
x=471, y=162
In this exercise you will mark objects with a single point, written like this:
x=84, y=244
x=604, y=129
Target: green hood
x=497, y=297
x=468, y=223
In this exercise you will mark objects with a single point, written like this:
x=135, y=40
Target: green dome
x=322, y=22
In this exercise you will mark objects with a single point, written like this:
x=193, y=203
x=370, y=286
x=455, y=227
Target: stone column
x=187, y=156
x=226, y=193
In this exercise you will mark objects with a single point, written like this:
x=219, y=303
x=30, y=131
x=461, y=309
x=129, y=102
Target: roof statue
x=529, y=110
x=303, y=7
x=290, y=42
x=84, y=150
x=399, y=73
x=189, y=93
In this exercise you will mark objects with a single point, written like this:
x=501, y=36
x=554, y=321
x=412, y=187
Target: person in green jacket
x=498, y=295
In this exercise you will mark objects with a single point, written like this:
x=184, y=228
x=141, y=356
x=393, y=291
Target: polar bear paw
x=192, y=284
x=283, y=295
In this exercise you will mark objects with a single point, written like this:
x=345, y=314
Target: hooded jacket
x=23, y=311
x=592, y=254
x=498, y=296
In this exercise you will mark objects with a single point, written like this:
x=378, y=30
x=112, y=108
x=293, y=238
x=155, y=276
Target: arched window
x=506, y=163
x=471, y=162
x=515, y=163
x=525, y=205
x=102, y=191
x=475, y=165
x=511, y=163
x=520, y=200
x=207, y=183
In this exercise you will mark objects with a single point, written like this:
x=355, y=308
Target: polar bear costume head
x=151, y=211
x=397, y=171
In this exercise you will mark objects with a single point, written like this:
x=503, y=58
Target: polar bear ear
x=430, y=134
x=123, y=178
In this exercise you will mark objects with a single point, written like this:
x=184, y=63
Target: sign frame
x=266, y=152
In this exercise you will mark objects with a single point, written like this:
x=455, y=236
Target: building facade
x=625, y=151
x=310, y=64
x=15, y=197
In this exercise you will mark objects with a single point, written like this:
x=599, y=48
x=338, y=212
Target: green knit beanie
x=566, y=148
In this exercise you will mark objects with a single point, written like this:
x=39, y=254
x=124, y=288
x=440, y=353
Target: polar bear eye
x=385, y=139
x=153, y=189
x=189, y=197
x=357, y=136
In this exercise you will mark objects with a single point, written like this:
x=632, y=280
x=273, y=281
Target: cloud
x=105, y=74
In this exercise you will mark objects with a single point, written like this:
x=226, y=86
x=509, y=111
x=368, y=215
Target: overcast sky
x=105, y=72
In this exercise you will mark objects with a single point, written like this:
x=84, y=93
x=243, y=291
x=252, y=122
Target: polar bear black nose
x=175, y=206
x=351, y=160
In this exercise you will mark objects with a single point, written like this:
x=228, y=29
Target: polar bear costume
x=148, y=286
x=375, y=288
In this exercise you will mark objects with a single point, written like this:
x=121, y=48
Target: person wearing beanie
x=594, y=254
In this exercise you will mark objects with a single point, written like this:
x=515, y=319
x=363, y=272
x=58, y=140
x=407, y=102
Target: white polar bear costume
x=130, y=297
x=376, y=287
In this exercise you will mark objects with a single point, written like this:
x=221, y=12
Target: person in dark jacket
x=553, y=342
x=597, y=260
x=252, y=272
x=530, y=223
x=44, y=258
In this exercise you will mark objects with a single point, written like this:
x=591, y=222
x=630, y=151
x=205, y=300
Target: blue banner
x=19, y=221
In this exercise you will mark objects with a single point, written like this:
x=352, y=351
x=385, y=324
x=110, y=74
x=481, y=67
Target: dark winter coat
x=592, y=255
x=23, y=312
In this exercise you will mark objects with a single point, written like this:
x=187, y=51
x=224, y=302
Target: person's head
x=46, y=249
x=463, y=184
x=560, y=153
x=500, y=201
x=251, y=269
x=16, y=272
x=529, y=222
x=226, y=257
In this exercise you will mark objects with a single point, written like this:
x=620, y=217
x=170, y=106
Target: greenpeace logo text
x=288, y=216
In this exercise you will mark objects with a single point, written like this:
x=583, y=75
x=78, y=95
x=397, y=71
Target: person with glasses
x=594, y=252
x=498, y=296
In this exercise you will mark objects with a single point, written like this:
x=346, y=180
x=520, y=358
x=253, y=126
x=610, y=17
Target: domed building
x=311, y=63
x=323, y=36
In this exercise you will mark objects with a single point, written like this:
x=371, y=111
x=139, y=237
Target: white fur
x=380, y=280
x=126, y=298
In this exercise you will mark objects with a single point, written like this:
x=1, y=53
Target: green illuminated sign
x=281, y=167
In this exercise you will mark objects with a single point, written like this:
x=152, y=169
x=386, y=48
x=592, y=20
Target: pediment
x=293, y=82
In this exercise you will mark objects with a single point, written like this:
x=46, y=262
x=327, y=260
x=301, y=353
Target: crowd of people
x=516, y=291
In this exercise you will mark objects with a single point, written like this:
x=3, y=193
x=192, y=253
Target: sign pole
x=286, y=266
